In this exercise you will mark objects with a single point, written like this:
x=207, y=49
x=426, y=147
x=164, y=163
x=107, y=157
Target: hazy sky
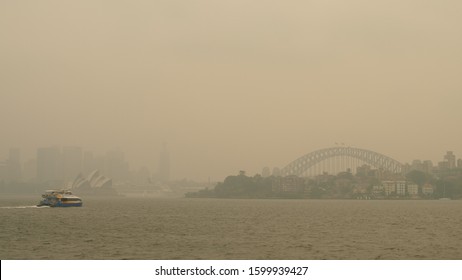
x=231, y=85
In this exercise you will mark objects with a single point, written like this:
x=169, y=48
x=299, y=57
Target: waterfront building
x=389, y=187
x=401, y=188
x=360, y=189
x=413, y=189
x=288, y=184
x=377, y=190
x=427, y=189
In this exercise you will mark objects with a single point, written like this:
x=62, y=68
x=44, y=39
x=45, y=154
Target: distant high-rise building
x=49, y=164
x=406, y=168
x=428, y=166
x=72, y=162
x=450, y=159
x=30, y=170
x=13, y=165
x=164, y=165
x=459, y=163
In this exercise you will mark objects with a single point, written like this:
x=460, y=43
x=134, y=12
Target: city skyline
x=232, y=85
x=234, y=130
x=69, y=161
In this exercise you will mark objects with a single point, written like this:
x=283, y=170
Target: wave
x=24, y=207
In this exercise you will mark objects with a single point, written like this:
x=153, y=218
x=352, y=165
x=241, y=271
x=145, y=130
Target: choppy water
x=154, y=228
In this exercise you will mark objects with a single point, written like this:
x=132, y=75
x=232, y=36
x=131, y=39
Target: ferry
x=60, y=198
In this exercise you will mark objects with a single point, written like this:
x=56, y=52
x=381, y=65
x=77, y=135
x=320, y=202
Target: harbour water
x=179, y=228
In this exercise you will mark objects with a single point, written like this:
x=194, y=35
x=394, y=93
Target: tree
x=418, y=177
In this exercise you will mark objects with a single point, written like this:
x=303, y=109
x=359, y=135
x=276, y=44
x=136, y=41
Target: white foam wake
x=23, y=207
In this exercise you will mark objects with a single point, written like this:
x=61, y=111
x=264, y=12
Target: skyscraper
x=30, y=170
x=49, y=164
x=451, y=159
x=13, y=165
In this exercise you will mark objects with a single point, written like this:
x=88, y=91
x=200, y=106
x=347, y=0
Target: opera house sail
x=94, y=184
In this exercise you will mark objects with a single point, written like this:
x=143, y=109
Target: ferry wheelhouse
x=60, y=198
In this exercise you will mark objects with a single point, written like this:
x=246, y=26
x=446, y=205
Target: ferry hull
x=68, y=205
x=62, y=204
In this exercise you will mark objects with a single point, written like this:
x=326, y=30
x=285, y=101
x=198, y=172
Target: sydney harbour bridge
x=339, y=159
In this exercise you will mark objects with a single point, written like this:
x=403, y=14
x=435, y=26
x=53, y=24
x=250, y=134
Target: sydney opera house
x=95, y=183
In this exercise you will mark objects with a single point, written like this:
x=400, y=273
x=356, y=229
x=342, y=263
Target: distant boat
x=60, y=198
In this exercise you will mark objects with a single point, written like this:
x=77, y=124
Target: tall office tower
x=30, y=170
x=164, y=165
x=428, y=166
x=49, y=164
x=451, y=159
x=72, y=162
x=13, y=165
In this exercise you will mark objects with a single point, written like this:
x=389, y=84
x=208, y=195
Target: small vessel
x=60, y=198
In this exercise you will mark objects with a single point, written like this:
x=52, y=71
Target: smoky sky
x=231, y=85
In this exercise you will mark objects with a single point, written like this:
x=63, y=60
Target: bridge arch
x=303, y=164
